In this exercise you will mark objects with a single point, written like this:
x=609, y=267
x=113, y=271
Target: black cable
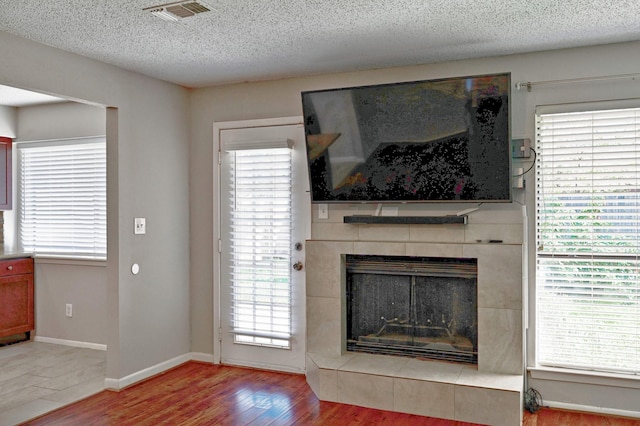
x=535, y=156
x=532, y=400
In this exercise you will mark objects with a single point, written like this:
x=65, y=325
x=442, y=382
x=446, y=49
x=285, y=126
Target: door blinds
x=259, y=200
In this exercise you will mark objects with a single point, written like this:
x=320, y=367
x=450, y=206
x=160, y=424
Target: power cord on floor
x=532, y=400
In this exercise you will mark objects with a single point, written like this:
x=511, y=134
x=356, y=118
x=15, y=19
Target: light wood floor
x=204, y=394
x=38, y=377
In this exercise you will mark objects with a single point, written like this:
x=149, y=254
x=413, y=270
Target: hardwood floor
x=203, y=394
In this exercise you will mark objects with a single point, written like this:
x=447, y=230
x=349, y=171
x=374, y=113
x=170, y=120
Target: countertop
x=14, y=254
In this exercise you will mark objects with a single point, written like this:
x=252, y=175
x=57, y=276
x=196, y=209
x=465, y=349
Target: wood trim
x=6, y=183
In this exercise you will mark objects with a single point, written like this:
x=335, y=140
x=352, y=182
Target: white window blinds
x=588, y=240
x=62, y=200
x=260, y=220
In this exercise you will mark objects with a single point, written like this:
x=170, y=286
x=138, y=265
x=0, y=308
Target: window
x=260, y=221
x=588, y=239
x=62, y=200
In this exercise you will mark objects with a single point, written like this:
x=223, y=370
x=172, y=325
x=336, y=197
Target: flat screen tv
x=445, y=140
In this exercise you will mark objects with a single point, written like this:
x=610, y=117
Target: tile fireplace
x=487, y=390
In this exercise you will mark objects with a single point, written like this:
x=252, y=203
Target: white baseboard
x=202, y=357
x=118, y=384
x=74, y=343
x=262, y=366
x=592, y=409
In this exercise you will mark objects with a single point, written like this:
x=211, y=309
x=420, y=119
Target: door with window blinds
x=588, y=238
x=264, y=211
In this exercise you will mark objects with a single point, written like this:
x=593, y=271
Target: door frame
x=217, y=128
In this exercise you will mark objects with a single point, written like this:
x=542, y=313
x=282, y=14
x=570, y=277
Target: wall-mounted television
x=445, y=140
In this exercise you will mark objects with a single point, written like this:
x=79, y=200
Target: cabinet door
x=16, y=304
x=5, y=173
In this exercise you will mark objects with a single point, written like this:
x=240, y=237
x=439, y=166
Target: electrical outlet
x=69, y=310
x=521, y=148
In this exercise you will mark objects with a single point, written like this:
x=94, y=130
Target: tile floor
x=38, y=377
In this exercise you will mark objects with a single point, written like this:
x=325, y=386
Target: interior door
x=257, y=328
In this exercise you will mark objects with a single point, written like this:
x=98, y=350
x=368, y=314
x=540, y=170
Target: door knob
x=298, y=266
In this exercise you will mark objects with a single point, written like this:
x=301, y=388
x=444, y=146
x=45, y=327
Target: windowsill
x=70, y=260
x=586, y=377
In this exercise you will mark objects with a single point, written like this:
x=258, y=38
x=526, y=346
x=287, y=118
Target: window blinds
x=588, y=240
x=62, y=200
x=259, y=198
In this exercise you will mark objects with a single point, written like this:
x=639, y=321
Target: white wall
x=81, y=283
x=7, y=121
x=147, y=176
x=282, y=98
x=59, y=121
x=84, y=285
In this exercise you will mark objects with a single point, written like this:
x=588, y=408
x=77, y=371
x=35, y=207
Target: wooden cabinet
x=16, y=296
x=5, y=173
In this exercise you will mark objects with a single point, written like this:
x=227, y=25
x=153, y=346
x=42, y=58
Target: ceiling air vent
x=178, y=10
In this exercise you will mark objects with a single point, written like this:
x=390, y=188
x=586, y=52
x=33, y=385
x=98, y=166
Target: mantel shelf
x=407, y=220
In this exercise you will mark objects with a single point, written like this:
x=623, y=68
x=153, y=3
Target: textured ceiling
x=248, y=40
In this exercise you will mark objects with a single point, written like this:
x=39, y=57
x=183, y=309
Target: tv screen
x=444, y=140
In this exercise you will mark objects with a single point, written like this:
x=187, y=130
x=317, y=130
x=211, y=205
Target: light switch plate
x=323, y=211
x=140, y=225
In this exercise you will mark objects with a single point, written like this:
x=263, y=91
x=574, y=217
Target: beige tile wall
x=499, y=296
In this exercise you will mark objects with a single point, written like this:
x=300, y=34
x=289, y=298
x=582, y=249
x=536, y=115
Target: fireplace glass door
x=420, y=307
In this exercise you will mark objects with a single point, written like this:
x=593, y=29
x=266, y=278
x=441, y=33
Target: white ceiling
x=248, y=40
x=11, y=96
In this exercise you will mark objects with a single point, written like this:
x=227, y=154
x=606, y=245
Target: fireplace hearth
x=420, y=307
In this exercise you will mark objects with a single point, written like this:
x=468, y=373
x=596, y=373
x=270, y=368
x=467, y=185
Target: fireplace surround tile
x=508, y=233
x=499, y=274
x=434, y=250
x=470, y=376
x=383, y=233
x=432, y=371
x=335, y=231
x=323, y=382
x=424, y=398
x=500, y=344
x=375, y=364
x=324, y=330
x=365, y=390
x=331, y=362
x=324, y=267
x=387, y=249
x=437, y=233
x=488, y=406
